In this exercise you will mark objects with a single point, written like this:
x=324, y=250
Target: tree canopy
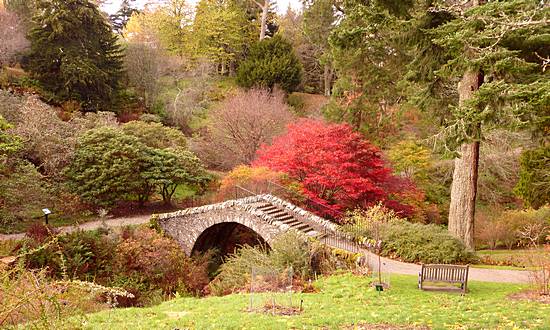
x=111, y=165
x=74, y=54
x=271, y=62
x=336, y=166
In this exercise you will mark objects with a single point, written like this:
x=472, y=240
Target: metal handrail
x=337, y=235
x=246, y=190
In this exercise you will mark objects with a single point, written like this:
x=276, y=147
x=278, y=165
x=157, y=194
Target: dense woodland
x=430, y=116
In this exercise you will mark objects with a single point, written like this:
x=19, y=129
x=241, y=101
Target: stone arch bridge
x=263, y=216
x=266, y=216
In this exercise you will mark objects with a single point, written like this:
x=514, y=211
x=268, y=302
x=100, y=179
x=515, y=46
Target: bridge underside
x=226, y=238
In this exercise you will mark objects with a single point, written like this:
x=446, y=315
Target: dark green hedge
x=414, y=242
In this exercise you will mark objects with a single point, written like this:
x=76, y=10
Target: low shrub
x=297, y=103
x=87, y=254
x=541, y=275
x=140, y=260
x=40, y=232
x=236, y=272
x=154, y=262
x=83, y=255
x=7, y=247
x=492, y=233
x=31, y=297
x=361, y=223
x=291, y=250
x=414, y=242
x=513, y=228
x=290, y=253
x=400, y=239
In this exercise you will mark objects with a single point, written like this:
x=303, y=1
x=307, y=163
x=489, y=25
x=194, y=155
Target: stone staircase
x=286, y=217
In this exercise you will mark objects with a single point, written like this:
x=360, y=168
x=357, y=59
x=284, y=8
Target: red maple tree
x=338, y=169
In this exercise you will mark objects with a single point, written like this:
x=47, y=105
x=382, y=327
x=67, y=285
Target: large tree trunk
x=464, y=186
x=463, y=194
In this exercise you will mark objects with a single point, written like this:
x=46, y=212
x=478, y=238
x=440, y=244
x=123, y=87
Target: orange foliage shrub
x=259, y=180
x=152, y=260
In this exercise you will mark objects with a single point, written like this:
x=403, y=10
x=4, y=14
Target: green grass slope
x=343, y=300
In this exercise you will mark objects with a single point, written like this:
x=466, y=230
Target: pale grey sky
x=112, y=6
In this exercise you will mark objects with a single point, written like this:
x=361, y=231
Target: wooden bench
x=453, y=274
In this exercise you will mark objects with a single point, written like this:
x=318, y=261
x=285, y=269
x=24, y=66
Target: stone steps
x=286, y=218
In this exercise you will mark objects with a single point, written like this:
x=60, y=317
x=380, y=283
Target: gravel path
x=111, y=223
x=388, y=265
x=474, y=274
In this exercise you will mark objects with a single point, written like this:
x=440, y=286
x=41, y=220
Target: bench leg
x=463, y=287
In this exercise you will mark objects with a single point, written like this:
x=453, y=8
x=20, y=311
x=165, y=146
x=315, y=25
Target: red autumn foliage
x=336, y=166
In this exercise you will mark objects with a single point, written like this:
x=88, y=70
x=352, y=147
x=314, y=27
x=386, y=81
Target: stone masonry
x=266, y=215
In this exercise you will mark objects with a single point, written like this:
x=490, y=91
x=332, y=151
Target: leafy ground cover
x=521, y=258
x=343, y=300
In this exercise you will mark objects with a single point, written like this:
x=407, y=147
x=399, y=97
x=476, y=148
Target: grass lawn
x=343, y=300
x=508, y=253
x=183, y=192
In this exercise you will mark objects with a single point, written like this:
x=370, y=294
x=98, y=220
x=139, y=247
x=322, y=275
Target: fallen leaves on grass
x=276, y=309
x=366, y=326
x=530, y=295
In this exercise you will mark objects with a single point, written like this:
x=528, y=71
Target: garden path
x=474, y=274
x=91, y=225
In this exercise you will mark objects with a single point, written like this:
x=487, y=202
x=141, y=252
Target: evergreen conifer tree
x=122, y=16
x=271, y=62
x=477, y=65
x=74, y=54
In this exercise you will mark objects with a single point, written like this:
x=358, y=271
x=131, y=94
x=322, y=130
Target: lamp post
x=46, y=213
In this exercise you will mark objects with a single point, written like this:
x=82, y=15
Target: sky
x=111, y=6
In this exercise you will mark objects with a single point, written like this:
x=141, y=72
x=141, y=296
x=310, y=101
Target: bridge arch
x=226, y=237
x=262, y=217
x=208, y=226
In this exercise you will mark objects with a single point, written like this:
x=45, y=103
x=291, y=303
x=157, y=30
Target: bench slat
x=444, y=273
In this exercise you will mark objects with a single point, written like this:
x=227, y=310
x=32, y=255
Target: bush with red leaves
x=40, y=232
x=338, y=169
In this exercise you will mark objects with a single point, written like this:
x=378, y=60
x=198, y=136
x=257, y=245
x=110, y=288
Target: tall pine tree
x=122, y=16
x=319, y=20
x=480, y=65
x=74, y=54
x=497, y=50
